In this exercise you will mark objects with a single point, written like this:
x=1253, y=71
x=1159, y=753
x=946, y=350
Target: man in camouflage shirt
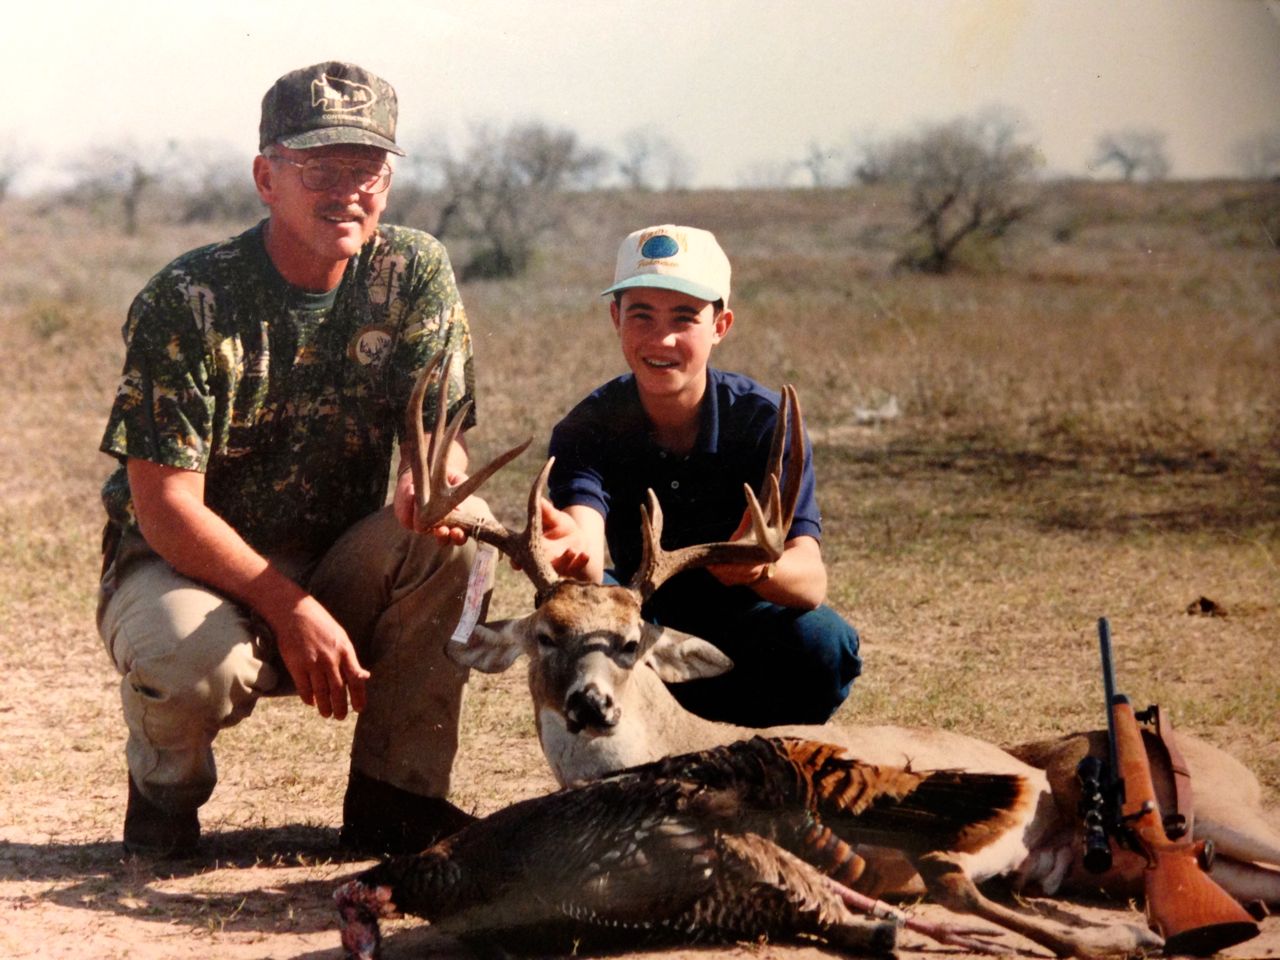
x=247, y=550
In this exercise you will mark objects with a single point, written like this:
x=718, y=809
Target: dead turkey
x=728, y=843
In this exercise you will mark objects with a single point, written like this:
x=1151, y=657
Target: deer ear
x=489, y=649
x=677, y=656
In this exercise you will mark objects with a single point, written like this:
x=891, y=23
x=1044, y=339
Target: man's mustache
x=356, y=214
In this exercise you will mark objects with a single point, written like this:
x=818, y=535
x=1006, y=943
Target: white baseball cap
x=668, y=257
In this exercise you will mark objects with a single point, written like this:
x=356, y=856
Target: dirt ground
x=262, y=887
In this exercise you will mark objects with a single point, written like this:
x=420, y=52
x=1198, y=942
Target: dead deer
x=598, y=675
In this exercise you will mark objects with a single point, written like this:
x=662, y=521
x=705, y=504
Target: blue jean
x=789, y=665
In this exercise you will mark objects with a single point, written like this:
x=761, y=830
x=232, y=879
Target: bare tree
x=503, y=191
x=212, y=182
x=1138, y=154
x=966, y=181
x=123, y=173
x=872, y=162
x=418, y=187
x=819, y=162
x=1258, y=156
x=12, y=162
x=767, y=174
x=649, y=161
x=866, y=157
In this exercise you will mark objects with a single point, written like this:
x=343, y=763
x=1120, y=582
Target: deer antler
x=769, y=526
x=437, y=501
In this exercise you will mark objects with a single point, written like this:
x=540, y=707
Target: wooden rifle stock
x=1184, y=905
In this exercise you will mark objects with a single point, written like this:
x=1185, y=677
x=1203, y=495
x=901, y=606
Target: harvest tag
x=479, y=583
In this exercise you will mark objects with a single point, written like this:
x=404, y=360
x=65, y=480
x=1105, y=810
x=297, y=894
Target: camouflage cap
x=329, y=103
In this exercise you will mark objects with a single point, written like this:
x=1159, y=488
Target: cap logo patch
x=336, y=95
x=659, y=247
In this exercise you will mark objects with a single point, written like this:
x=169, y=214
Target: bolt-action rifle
x=1184, y=905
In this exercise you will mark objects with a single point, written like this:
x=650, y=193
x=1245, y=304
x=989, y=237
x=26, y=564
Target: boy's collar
x=709, y=415
x=708, y=439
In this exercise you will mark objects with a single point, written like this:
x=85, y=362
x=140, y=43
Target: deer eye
x=545, y=640
x=631, y=647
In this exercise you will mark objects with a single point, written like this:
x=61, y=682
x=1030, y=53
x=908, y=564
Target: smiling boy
x=695, y=434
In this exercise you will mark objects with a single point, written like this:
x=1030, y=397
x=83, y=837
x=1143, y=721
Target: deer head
x=584, y=640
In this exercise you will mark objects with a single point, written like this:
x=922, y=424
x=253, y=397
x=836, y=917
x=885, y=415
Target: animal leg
x=844, y=866
x=972, y=939
x=1247, y=881
x=951, y=886
x=764, y=888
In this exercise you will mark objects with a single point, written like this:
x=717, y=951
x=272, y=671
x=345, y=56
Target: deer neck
x=652, y=725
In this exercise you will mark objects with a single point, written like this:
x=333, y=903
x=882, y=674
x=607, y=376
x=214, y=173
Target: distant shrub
x=966, y=183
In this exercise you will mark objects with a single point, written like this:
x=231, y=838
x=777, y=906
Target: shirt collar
x=708, y=439
x=709, y=428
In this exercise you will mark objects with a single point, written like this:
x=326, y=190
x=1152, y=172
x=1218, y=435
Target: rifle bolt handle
x=1205, y=854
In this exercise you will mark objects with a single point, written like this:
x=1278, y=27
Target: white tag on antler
x=479, y=583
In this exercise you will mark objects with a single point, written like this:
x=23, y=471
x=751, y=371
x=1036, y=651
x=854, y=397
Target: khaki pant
x=194, y=662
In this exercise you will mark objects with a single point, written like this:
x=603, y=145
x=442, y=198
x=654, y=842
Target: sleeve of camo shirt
x=164, y=408
x=434, y=321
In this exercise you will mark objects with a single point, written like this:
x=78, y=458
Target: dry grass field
x=1090, y=425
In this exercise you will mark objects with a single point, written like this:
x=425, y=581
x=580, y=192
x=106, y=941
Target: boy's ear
x=723, y=321
x=615, y=314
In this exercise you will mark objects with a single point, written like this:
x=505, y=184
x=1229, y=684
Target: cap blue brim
x=663, y=281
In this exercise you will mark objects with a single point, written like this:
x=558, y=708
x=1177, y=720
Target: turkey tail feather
x=914, y=811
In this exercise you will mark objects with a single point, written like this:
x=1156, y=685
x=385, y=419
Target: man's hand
x=405, y=502
x=321, y=660
x=200, y=544
x=405, y=507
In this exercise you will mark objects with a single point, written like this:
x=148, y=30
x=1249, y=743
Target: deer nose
x=589, y=706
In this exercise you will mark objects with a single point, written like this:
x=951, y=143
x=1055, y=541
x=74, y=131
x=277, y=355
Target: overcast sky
x=737, y=85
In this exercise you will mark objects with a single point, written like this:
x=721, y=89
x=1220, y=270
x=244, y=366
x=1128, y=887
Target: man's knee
x=191, y=659
x=379, y=564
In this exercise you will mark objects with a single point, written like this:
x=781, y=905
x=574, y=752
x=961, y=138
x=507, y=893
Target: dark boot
x=378, y=818
x=151, y=831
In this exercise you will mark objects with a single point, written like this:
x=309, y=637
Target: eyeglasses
x=325, y=173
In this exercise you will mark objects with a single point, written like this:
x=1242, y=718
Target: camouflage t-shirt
x=289, y=402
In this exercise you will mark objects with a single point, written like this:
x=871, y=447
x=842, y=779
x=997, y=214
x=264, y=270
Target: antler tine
x=644, y=580
x=437, y=501
x=533, y=559
x=768, y=526
x=795, y=455
x=420, y=463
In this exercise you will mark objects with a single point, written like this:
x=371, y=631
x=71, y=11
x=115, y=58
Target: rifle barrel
x=1109, y=687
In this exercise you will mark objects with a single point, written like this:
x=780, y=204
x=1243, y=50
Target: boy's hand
x=564, y=542
x=740, y=574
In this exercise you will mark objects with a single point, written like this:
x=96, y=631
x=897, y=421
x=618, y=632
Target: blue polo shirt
x=606, y=459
